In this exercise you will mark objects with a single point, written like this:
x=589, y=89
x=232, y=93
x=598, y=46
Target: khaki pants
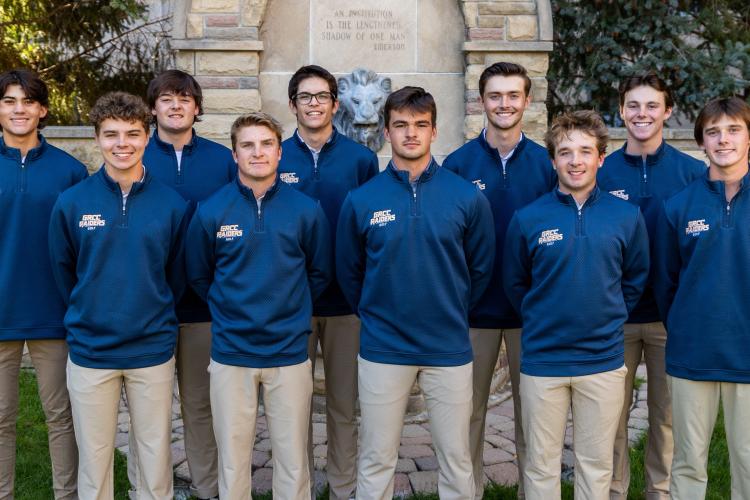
x=696, y=405
x=234, y=401
x=383, y=395
x=339, y=343
x=95, y=399
x=49, y=358
x=596, y=401
x=486, y=346
x=192, y=356
x=646, y=341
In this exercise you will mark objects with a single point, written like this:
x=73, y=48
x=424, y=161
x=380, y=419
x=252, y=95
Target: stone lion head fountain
x=362, y=96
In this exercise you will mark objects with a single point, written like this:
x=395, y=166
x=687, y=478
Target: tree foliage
x=701, y=48
x=82, y=48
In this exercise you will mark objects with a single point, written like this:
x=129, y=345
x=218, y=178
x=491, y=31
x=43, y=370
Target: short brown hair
x=646, y=80
x=733, y=107
x=256, y=119
x=415, y=99
x=120, y=106
x=587, y=121
x=504, y=69
x=33, y=86
x=174, y=81
x=312, y=71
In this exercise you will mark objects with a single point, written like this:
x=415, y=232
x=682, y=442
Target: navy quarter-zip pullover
x=574, y=274
x=526, y=176
x=119, y=266
x=342, y=165
x=31, y=307
x=702, y=282
x=647, y=183
x=205, y=167
x=259, y=266
x=411, y=261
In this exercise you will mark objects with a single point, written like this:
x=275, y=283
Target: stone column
x=217, y=42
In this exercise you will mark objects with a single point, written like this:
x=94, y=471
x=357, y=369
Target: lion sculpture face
x=362, y=96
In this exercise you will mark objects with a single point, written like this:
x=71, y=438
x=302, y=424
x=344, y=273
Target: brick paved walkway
x=416, y=471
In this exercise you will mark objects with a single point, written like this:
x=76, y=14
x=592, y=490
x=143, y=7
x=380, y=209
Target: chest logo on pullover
x=550, y=236
x=289, y=177
x=478, y=183
x=229, y=232
x=382, y=217
x=696, y=227
x=91, y=221
x=620, y=193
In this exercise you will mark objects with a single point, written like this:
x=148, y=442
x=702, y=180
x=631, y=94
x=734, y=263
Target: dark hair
x=311, y=71
x=504, y=69
x=414, y=99
x=174, y=81
x=120, y=106
x=646, y=80
x=257, y=119
x=733, y=107
x=33, y=86
x=587, y=121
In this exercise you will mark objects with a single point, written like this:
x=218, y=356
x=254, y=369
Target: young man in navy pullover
x=645, y=172
x=575, y=263
x=512, y=171
x=195, y=167
x=260, y=254
x=702, y=282
x=414, y=252
x=326, y=165
x=32, y=174
x=116, y=249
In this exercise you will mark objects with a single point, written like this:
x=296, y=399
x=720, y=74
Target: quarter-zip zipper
x=179, y=166
x=316, y=172
x=579, y=221
x=259, y=220
x=414, y=211
x=124, y=211
x=644, y=178
x=727, y=216
x=22, y=177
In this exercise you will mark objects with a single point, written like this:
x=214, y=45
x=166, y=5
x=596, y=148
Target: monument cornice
x=204, y=44
x=500, y=46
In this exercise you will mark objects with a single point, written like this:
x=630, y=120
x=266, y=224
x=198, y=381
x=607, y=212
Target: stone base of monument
x=416, y=411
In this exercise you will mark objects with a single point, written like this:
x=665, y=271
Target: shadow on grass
x=33, y=470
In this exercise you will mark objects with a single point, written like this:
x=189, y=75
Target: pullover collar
x=637, y=160
x=113, y=186
x=403, y=175
x=248, y=193
x=494, y=153
x=719, y=186
x=15, y=153
x=328, y=144
x=567, y=199
x=169, y=148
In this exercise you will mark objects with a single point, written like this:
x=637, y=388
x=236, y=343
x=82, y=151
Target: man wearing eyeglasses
x=326, y=165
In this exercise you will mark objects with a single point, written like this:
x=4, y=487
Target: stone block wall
x=515, y=31
x=217, y=42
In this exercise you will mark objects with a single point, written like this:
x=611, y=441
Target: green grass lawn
x=33, y=473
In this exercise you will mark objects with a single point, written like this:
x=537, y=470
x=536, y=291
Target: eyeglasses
x=321, y=97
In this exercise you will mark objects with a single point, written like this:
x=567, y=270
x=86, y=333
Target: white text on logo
x=381, y=218
x=695, y=227
x=289, y=177
x=229, y=232
x=550, y=236
x=620, y=193
x=478, y=183
x=92, y=221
